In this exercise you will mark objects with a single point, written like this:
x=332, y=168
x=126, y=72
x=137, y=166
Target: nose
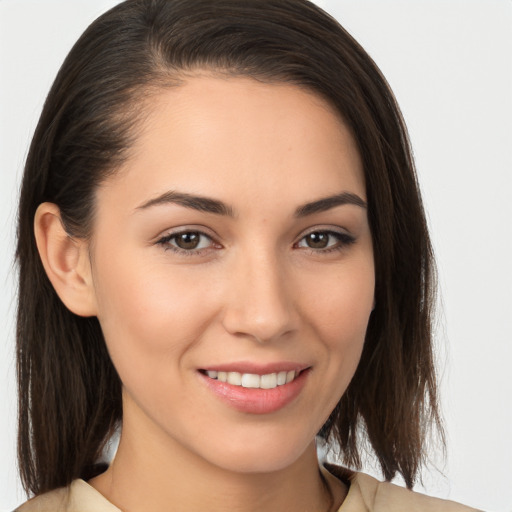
x=259, y=304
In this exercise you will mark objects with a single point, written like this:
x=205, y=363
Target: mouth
x=253, y=380
x=256, y=390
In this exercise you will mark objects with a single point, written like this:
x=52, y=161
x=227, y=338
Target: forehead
x=236, y=136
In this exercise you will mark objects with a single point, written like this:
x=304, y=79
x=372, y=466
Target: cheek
x=343, y=301
x=338, y=314
x=150, y=319
x=148, y=313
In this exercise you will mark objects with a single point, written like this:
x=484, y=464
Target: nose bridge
x=260, y=304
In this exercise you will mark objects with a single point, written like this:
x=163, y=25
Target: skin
x=254, y=291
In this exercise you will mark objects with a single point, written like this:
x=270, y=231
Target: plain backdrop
x=449, y=63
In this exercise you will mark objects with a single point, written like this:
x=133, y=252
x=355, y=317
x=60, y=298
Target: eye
x=325, y=240
x=186, y=241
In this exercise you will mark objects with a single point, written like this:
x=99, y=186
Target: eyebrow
x=200, y=203
x=326, y=203
x=210, y=205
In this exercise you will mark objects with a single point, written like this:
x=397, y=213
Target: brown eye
x=325, y=241
x=317, y=240
x=188, y=241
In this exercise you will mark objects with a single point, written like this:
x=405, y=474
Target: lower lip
x=256, y=401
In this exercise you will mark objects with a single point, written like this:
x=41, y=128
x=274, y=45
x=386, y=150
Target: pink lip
x=256, y=401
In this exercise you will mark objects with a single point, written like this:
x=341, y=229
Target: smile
x=253, y=380
x=263, y=392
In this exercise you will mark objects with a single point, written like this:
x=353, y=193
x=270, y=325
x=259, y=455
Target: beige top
x=366, y=494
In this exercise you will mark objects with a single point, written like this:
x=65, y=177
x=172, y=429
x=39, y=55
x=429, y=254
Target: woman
x=223, y=252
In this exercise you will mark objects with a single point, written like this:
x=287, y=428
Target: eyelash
x=165, y=241
x=343, y=241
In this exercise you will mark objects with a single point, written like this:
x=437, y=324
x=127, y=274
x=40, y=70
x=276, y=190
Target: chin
x=265, y=454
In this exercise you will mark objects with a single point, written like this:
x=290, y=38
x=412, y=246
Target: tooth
x=268, y=381
x=234, y=378
x=250, y=380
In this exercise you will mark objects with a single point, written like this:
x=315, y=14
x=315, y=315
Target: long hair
x=69, y=391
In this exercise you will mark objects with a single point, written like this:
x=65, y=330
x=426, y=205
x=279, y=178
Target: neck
x=147, y=476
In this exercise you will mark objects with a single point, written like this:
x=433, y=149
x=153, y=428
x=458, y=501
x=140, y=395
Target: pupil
x=318, y=240
x=187, y=240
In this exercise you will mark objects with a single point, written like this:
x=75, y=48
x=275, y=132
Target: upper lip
x=257, y=368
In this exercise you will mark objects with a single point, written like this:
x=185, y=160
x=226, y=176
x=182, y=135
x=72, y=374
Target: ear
x=65, y=260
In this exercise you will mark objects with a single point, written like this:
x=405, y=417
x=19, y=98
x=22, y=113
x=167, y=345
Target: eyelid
x=165, y=238
x=195, y=228
x=344, y=239
x=337, y=230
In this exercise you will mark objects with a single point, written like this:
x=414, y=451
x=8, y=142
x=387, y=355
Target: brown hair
x=69, y=392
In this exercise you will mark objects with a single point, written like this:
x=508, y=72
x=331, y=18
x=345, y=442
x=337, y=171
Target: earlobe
x=65, y=260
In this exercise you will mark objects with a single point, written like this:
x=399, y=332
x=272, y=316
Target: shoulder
x=367, y=494
x=77, y=497
x=56, y=500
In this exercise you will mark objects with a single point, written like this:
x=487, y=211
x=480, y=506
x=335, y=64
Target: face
x=233, y=271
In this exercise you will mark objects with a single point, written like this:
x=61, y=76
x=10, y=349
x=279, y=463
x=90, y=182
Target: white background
x=450, y=65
